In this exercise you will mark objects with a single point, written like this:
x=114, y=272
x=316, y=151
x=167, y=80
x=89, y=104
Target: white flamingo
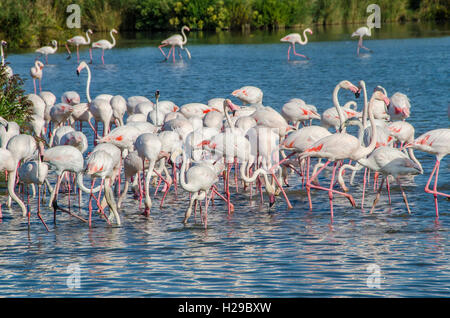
x=104, y=45
x=77, y=41
x=46, y=50
x=176, y=40
x=296, y=38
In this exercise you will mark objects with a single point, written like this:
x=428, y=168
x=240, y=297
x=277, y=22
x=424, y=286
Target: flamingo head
x=81, y=66
x=348, y=85
x=309, y=31
x=186, y=28
x=114, y=31
x=228, y=103
x=90, y=31
x=157, y=94
x=271, y=200
x=380, y=96
x=40, y=65
x=4, y=43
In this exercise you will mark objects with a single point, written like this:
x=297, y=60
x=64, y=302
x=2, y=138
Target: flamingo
x=77, y=41
x=36, y=73
x=400, y=109
x=362, y=31
x=175, y=40
x=101, y=164
x=298, y=112
x=46, y=50
x=70, y=97
x=35, y=172
x=8, y=69
x=296, y=38
x=63, y=159
x=8, y=129
x=341, y=146
x=148, y=147
x=249, y=95
x=435, y=142
x=9, y=164
x=198, y=180
x=104, y=45
x=389, y=162
x=100, y=109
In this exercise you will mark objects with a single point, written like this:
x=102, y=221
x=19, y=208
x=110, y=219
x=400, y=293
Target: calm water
x=257, y=251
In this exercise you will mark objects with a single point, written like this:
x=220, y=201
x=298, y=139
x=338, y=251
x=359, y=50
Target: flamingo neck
x=413, y=157
x=227, y=115
x=184, y=36
x=113, y=38
x=364, y=114
x=88, y=38
x=306, y=38
x=184, y=185
x=337, y=105
x=3, y=58
x=88, y=85
x=365, y=151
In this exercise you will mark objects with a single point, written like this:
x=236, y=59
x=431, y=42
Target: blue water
x=257, y=251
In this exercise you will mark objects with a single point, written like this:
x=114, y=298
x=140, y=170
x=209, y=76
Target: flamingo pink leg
x=162, y=51
x=434, y=191
x=377, y=197
x=293, y=46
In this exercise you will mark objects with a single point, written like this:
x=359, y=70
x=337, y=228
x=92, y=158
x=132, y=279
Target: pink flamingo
x=362, y=31
x=435, y=142
x=36, y=73
x=78, y=40
x=46, y=50
x=175, y=40
x=296, y=38
x=341, y=146
x=104, y=45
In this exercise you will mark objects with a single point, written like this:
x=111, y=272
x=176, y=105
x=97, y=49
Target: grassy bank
x=48, y=18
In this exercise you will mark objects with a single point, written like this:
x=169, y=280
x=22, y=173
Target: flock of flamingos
x=208, y=148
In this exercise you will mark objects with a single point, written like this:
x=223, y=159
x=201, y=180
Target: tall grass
x=26, y=23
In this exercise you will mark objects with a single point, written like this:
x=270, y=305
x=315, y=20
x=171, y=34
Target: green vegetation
x=48, y=17
x=14, y=105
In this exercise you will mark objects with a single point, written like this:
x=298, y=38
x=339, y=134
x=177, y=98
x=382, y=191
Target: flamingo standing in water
x=435, y=142
x=9, y=70
x=296, y=38
x=362, y=31
x=36, y=73
x=104, y=45
x=78, y=40
x=176, y=40
x=46, y=50
x=341, y=146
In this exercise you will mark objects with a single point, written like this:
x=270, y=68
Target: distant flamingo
x=296, y=38
x=175, y=40
x=36, y=73
x=77, y=41
x=435, y=142
x=9, y=71
x=104, y=45
x=362, y=31
x=46, y=50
